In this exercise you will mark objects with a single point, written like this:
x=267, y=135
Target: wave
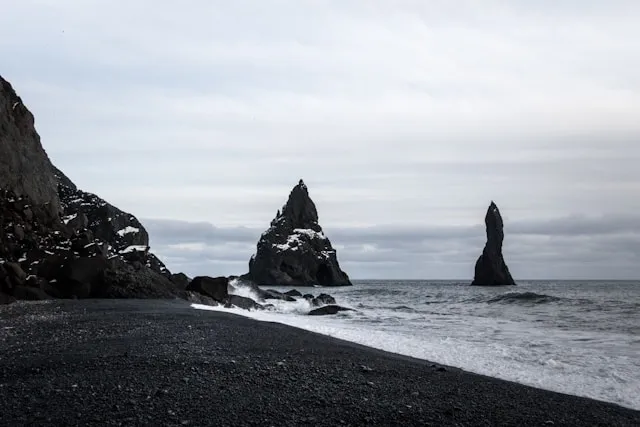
x=523, y=297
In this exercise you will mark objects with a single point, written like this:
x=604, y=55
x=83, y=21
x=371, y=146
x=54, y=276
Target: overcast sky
x=405, y=118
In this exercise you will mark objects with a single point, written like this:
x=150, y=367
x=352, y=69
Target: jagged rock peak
x=299, y=211
x=494, y=226
x=491, y=270
x=294, y=250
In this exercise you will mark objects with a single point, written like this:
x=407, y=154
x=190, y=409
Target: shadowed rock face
x=491, y=270
x=59, y=241
x=25, y=168
x=294, y=251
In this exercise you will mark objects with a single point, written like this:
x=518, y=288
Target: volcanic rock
x=323, y=299
x=273, y=294
x=198, y=298
x=181, y=280
x=244, y=303
x=491, y=270
x=294, y=251
x=57, y=240
x=30, y=294
x=328, y=309
x=293, y=293
x=213, y=287
x=80, y=277
x=25, y=167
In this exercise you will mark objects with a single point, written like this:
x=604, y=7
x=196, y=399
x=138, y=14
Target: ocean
x=575, y=337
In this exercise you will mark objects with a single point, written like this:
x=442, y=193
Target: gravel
x=162, y=363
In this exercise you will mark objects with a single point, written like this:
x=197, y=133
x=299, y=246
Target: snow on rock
x=68, y=218
x=310, y=233
x=294, y=251
x=128, y=229
x=134, y=248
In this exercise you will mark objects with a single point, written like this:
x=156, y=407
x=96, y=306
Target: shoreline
x=162, y=362
x=409, y=357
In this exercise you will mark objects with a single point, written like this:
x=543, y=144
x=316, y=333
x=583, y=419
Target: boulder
x=16, y=274
x=323, y=299
x=293, y=293
x=6, y=299
x=244, y=303
x=50, y=267
x=197, y=298
x=181, y=280
x=81, y=277
x=294, y=250
x=30, y=293
x=491, y=270
x=124, y=280
x=273, y=294
x=213, y=287
x=328, y=309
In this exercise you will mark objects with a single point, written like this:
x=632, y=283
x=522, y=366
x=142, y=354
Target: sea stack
x=491, y=270
x=294, y=251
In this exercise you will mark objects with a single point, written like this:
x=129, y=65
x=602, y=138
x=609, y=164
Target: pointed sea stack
x=491, y=269
x=294, y=251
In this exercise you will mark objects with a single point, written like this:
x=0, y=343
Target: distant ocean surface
x=575, y=337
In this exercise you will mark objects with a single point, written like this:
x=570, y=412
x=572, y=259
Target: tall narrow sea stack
x=491, y=270
x=294, y=251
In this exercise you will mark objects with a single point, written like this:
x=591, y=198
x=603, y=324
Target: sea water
x=575, y=337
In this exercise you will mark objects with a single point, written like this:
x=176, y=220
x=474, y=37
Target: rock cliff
x=491, y=270
x=24, y=165
x=59, y=241
x=294, y=250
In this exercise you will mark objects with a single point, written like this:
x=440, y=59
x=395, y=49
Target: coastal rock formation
x=213, y=287
x=58, y=241
x=294, y=251
x=491, y=270
x=243, y=303
x=328, y=309
x=25, y=167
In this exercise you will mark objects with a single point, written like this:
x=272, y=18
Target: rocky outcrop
x=25, y=168
x=243, y=303
x=58, y=241
x=323, y=299
x=328, y=309
x=491, y=270
x=294, y=250
x=120, y=230
x=216, y=288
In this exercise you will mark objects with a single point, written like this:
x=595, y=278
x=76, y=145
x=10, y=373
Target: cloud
x=404, y=118
x=568, y=247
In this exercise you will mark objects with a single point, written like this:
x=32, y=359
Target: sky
x=404, y=117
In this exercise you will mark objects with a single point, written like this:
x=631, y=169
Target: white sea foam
x=523, y=342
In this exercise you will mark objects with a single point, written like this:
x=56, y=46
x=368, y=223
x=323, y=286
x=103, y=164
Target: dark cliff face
x=57, y=240
x=294, y=251
x=491, y=270
x=25, y=168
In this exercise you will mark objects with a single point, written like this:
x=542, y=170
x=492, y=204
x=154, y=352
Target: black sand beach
x=135, y=362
